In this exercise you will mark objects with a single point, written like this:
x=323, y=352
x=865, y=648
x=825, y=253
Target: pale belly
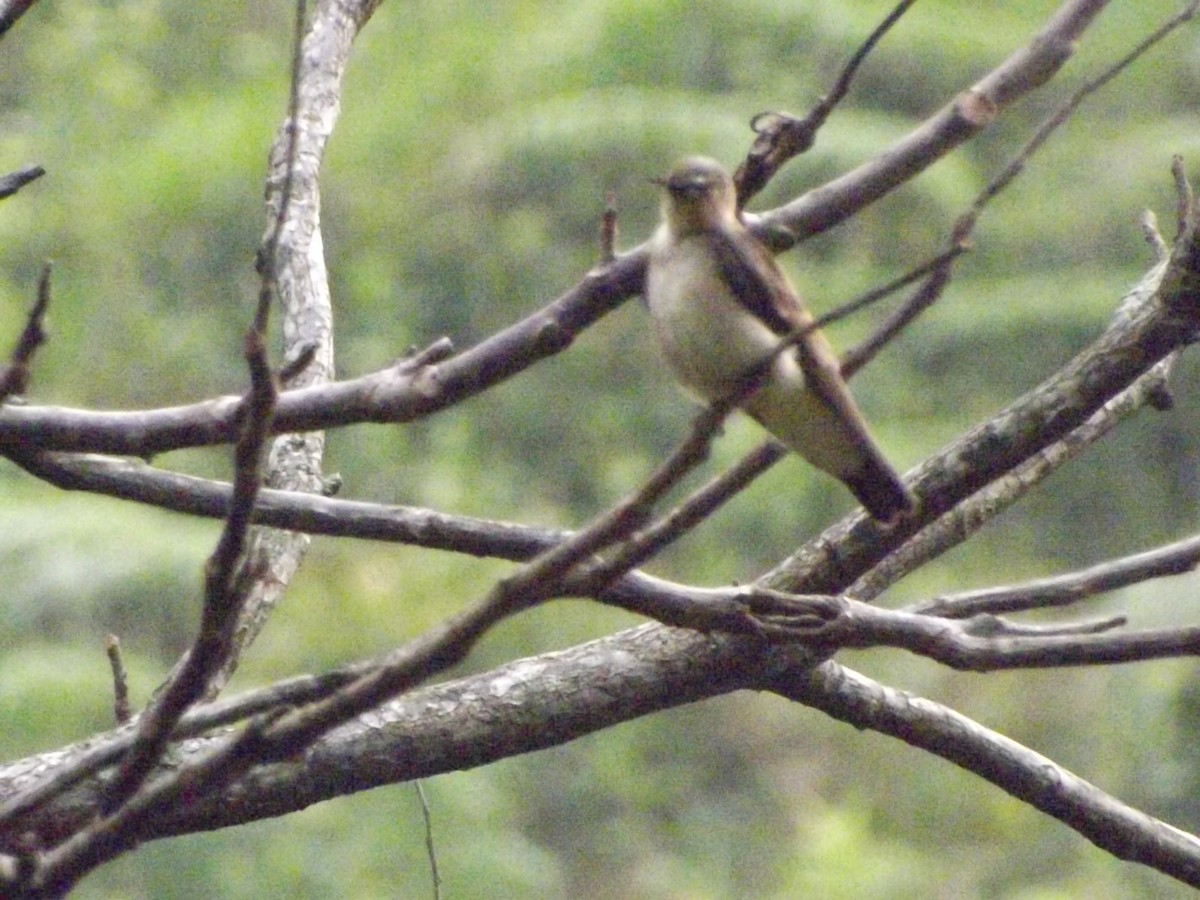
x=709, y=339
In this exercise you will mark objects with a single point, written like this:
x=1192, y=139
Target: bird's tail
x=834, y=443
x=880, y=490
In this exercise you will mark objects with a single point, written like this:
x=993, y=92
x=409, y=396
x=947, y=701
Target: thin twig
x=1121, y=830
x=227, y=577
x=593, y=580
x=960, y=235
x=430, y=850
x=1185, y=209
x=121, y=708
x=608, y=229
x=14, y=377
x=228, y=573
x=14, y=181
x=782, y=137
x=1153, y=236
x=1063, y=590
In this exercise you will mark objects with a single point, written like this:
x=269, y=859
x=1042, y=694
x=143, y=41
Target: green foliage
x=80, y=571
x=462, y=191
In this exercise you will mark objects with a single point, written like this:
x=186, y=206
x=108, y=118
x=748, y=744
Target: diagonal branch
x=960, y=234
x=1109, y=824
x=14, y=181
x=782, y=137
x=1152, y=323
x=14, y=377
x=956, y=526
x=1177, y=558
x=1025, y=70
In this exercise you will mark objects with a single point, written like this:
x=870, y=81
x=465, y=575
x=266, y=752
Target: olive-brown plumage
x=720, y=304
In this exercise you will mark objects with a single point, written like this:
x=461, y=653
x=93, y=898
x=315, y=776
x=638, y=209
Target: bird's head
x=699, y=195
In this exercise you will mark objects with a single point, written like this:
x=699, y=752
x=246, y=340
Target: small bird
x=720, y=306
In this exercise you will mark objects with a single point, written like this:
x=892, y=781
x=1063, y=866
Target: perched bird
x=720, y=305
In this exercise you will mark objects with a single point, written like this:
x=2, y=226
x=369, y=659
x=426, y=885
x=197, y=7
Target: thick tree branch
x=557, y=697
x=551, y=699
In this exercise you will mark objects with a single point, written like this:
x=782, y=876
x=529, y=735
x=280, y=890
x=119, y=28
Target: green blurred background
x=462, y=190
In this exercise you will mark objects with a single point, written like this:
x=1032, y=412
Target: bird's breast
x=708, y=337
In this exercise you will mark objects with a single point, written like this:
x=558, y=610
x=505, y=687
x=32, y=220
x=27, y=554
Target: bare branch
x=112, y=835
x=14, y=181
x=540, y=580
x=608, y=229
x=782, y=137
x=430, y=850
x=986, y=643
x=394, y=395
x=121, y=709
x=1185, y=212
x=1159, y=316
x=14, y=377
x=227, y=579
x=596, y=579
x=292, y=510
x=232, y=576
x=972, y=110
x=1065, y=590
x=960, y=235
x=622, y=677
x=929, y=292
x=1154, y=238
x=1109, y=824
x=404, y=667
x=982, y=643
x=1144, y=326
x=973, y=513
x=272, y=558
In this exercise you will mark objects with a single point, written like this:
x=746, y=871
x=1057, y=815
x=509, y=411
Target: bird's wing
x=761, y=287
x=757, y=281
